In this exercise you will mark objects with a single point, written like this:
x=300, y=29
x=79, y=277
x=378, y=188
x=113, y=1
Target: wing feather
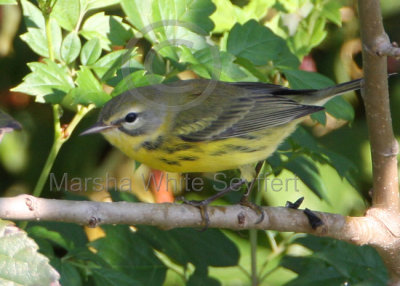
x=232, y=110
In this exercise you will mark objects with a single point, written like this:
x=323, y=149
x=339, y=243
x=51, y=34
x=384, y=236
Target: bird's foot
x=202, y=206
x=256, y=208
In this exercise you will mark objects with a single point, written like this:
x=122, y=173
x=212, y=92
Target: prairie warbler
x=235, y=125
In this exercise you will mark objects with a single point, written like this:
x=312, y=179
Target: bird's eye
x=130, y=117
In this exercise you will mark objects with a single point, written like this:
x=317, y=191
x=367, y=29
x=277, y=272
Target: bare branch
x=358, y=230
x=384, y=147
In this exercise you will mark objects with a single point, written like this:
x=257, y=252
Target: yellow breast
x=172, y=154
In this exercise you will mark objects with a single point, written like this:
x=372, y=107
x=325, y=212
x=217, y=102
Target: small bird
x=233, y=125
x=203, y=125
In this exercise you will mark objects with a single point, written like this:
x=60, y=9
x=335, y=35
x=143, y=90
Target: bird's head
x=125, y=115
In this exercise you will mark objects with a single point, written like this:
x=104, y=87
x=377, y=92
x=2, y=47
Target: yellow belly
x=175, y=155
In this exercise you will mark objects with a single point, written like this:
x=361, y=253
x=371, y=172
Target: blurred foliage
x=20, y=256
x=337, y=263
x=76, y=53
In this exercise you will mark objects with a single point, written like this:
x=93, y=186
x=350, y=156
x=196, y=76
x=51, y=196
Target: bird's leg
x=202, y=205
x=213, y=197
x=245, y=199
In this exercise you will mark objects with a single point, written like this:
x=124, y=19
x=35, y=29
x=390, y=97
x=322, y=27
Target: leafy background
x=302, y=44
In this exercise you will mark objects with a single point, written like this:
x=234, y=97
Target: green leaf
x=213, y=248
x=319, y=116
x=53, y=236
x=56, y=38
x=229, y=70
x=91, y=52
x=256, y=9
x=106, y=66
x=136, y=79
x=304, y=28
x=67, y=13
x=228, y=14
x=111, y=277
x=70, y=47
x=8, y=2
x=96, y=4
x=343, y=166
x=254, y=42
x=303, y=23
x=21, y=264
x=110, y=30
x=200, y=277
x=250, y=67
x=300, y=79
x=171, y=23
x=82, y=260
x=128, y=253
x=212, y=63
x=225, y=15
x=192, y=14
x=83, y=253
x=89, y=90
x=33, y=17
x=307, y=171
x=128, y=68
x=85, y=97
x=36, y=36
x=331, y=11
x=86, y=80
x=319, y=33
x=286, y=59
x=336, y=262
x=312, y=272
x=48, y=82
x=37, y=39
x=72, y=233
x=340, y=108
x=196, y=12
x=69, y=272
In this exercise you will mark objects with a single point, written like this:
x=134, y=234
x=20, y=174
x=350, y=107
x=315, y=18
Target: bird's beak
x=97, y=128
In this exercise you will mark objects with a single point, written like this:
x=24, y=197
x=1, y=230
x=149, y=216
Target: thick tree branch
x=384, y=147
x=358, y=230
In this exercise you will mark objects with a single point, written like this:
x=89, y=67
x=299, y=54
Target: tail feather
x=319, y=96
x=323, y=95
x=305, y=96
